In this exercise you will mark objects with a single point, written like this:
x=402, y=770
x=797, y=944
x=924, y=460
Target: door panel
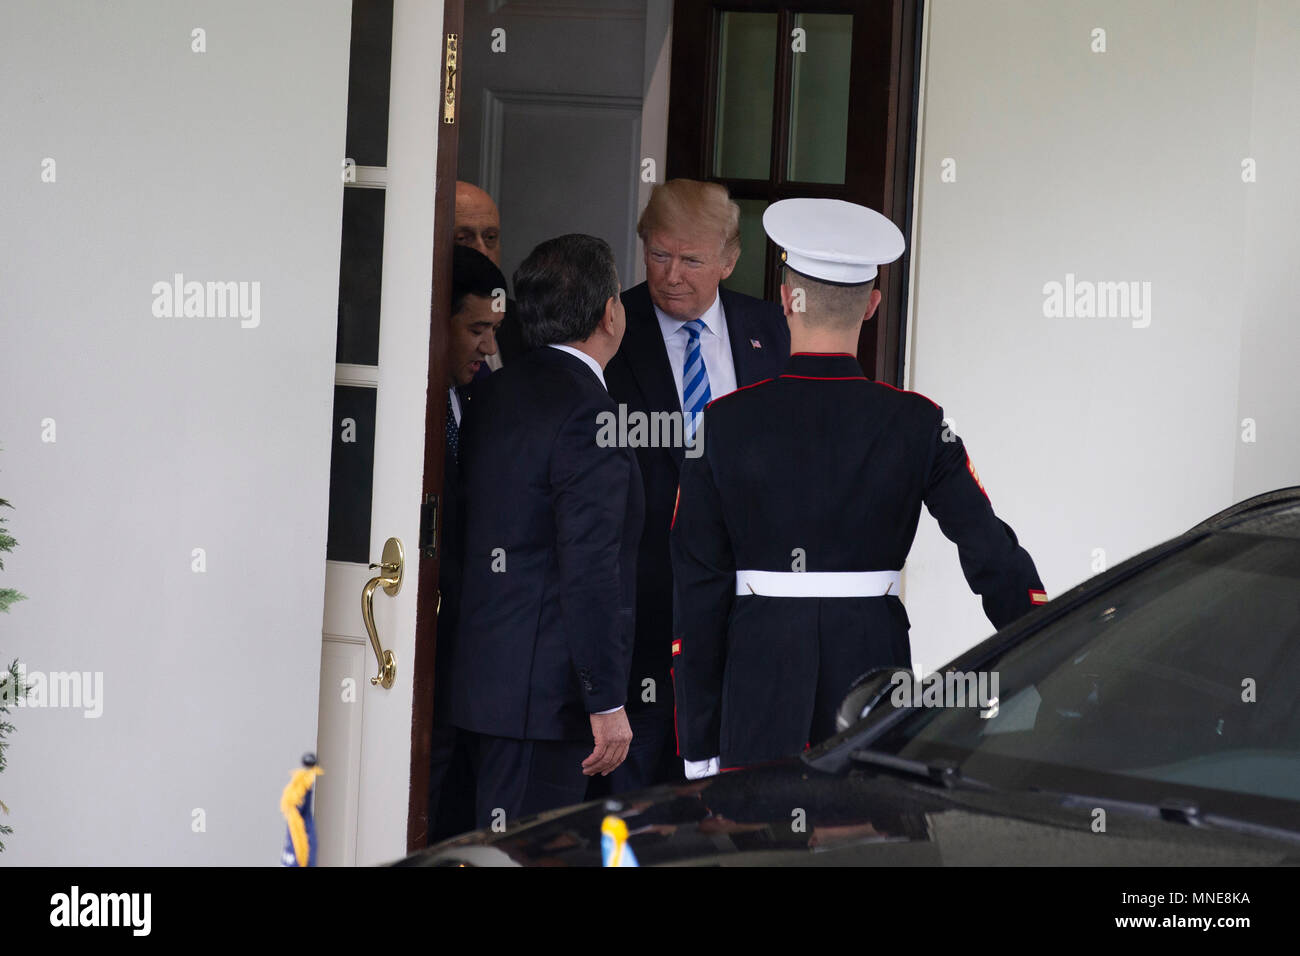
x=365, y=741
x=552, y=125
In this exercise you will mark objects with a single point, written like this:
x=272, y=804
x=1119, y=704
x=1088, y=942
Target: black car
x=1149, y=716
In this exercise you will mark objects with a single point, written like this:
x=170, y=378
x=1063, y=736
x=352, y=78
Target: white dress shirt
x=715, y=346
x=455, y=404
x=592, y=364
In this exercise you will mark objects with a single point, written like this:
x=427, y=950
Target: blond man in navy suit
x=689, y=340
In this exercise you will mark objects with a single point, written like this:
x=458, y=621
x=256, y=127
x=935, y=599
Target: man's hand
x=613, y=736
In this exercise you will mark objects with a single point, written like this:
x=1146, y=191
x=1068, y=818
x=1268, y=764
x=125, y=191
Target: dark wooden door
x=426, y=622
x=777, y=100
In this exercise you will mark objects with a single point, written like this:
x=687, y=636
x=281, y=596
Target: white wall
x=172, y=433
x=1093, y=434
x=1270, y=329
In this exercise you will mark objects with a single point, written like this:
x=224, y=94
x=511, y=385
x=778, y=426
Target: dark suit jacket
x=510, y=335
x=640, y=377
x=552, y=522
x=449, y=577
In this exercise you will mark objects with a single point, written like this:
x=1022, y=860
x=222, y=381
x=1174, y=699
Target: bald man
x=478, y=225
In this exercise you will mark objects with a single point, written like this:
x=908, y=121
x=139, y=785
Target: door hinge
x=429, y=527
x=449, y=80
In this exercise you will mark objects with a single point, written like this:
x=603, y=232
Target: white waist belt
x=823, y=584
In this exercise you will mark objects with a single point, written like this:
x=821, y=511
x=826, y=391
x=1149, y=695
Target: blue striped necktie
x=695, y=378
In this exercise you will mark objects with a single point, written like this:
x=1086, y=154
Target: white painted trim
x=654, y=107
x=370, y=177
x=918, y=179
x=366, y=376
x=365, y=743
x=909, y=370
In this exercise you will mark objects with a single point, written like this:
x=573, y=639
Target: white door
x=364, y=743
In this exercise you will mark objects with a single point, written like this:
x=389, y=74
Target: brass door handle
x=391, y=566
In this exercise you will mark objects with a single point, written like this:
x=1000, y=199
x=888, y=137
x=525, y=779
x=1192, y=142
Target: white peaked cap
x=832, y=240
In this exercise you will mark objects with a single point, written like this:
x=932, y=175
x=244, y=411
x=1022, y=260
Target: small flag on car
x=295, y=805
x=614, y=850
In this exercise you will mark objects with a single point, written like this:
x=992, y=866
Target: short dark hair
x=473, y=273
x=562, y=287
x=829, y=304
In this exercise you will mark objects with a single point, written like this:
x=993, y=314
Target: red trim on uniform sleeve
x=1038, y=597
x=676, y=502
x=974, y=474
x=740, y=389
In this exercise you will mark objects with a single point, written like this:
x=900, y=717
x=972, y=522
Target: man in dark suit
x=688, y=340
x=552, y=522
x=476, y=284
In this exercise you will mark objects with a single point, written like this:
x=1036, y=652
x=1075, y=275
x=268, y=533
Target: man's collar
x=823, y=365
x=713, y=319
x=590, y=362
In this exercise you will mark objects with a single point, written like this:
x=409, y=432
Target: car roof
x=1275, y=513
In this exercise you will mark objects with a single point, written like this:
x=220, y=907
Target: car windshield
x=1182, y=681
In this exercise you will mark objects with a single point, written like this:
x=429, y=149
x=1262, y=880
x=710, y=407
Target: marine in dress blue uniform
x=792, y=527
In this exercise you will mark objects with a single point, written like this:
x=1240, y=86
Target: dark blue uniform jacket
x=824, y=463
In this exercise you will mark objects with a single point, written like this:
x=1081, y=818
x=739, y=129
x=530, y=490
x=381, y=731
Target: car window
x=1187, y=674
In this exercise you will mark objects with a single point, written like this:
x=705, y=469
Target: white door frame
x=365, y=737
